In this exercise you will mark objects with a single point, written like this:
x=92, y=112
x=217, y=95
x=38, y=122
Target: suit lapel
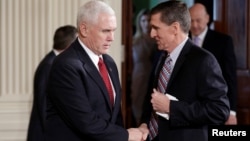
x=180, y=61
x=206, y=43
x=159, y=65
x=91, y=69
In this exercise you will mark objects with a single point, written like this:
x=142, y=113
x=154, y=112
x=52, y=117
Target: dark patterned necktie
x=105, y=77
x=162, y=85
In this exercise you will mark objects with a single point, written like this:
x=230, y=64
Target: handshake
x=138, y=134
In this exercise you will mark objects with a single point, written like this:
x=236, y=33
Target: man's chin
x=160, y=47
x=105, y=51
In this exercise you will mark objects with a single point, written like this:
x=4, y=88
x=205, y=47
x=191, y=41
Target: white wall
x=26, y=33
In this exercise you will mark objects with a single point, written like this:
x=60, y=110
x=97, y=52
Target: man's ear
x=207, y=18
x=83, y=29
x=175, y=27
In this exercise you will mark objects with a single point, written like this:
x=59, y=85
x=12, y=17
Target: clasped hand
x=138, y=134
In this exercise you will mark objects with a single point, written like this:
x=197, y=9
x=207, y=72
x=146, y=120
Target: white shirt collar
x=56, y=52
x=175, y=53
x=92, y=55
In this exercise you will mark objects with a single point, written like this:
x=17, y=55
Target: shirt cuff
x=232, y=113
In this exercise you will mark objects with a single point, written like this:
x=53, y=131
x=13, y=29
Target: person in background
x=84, y=91
x=143, y=50
x=63, y=37
x=221, y=46
x=187, y=91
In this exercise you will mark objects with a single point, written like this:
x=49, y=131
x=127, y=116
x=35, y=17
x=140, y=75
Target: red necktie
x=105, y=77
x=162, y=85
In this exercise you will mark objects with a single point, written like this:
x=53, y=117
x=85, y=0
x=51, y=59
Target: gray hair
x=91, y=10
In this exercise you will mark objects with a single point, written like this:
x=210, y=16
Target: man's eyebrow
x=153, y=26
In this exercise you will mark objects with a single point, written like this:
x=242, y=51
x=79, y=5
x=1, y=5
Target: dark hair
x=174, y=11
x=64, y=36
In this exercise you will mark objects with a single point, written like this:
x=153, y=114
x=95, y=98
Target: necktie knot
x=100, y=63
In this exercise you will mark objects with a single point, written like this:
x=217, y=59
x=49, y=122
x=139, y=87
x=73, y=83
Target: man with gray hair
x=84, y=91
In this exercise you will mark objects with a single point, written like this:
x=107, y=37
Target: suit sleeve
x=205, y=101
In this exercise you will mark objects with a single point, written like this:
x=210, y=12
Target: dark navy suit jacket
x=197, y=82
x=222, y=47
x=78, y=101
x=37, y=118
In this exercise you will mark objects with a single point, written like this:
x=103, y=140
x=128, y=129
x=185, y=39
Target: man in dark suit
x=221, y=46
x=80, y=105
x=195, y=95
x=63, y=37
